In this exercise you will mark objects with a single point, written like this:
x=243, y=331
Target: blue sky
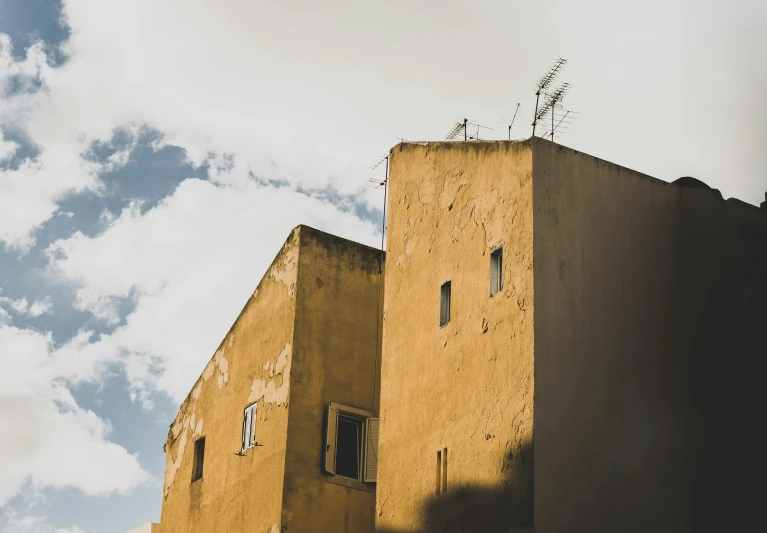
x=155, y=154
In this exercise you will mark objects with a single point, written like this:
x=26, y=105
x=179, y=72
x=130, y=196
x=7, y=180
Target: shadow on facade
x=476, y=508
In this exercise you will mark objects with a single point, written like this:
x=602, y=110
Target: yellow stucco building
x=250, y=448
x=562, y=344
x=568, y=346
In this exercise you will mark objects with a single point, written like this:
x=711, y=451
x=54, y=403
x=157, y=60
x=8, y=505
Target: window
x=444, y=304
x=249, y=427
x=199, y=457
x=496, y=271
x=351, y=444
x=442, y=471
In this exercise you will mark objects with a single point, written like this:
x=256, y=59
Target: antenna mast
x=544, y=82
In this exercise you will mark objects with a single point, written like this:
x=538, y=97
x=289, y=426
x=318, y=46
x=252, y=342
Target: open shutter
x=331, y=432
x=249, y=428
x=371, y=450
x=252, y=441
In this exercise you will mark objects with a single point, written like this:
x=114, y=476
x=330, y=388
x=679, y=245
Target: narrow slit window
x=444, y=470
x=496, y=271
x=199, y=458
x=444, y=304
x=439, y=471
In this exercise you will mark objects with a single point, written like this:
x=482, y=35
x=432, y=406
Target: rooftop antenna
x=544, y=82
x=512, y=120
x=463, y=128
x=475, y=137
x=455, y=132
x=551, y=105
x=380, y=183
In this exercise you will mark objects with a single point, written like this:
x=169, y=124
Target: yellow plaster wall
x=467, y=386
x=650, y=302
x=335, y=359
x=252, y=364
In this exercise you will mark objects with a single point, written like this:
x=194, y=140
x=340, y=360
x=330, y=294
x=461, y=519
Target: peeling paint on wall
x=272, y=392
x=170, y=472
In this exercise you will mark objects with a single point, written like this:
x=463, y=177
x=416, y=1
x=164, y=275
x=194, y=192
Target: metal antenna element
x=512, y=120
x=544, y=82
x=379, y=161
x=457, y=130
x=463, y=128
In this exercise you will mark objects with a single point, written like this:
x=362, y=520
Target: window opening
x=444, y=305
x=496, y=271
x=348, y=444
x=199, y=458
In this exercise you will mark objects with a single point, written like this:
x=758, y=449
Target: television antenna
x=544, y=82
x=463, y=128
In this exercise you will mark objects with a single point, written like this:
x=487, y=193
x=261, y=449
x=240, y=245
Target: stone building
x=279, y=432
x=563, y=345
x=568, y=345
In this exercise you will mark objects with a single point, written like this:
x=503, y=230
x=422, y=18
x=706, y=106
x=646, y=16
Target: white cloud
x=7, y=148
x=50, y=441
x=40, y=307
x=20, y=306
x=190, y=263
x=18, y=523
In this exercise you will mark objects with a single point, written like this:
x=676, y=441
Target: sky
x=155, y=154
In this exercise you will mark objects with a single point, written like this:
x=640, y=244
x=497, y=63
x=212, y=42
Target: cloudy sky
x=154, y=155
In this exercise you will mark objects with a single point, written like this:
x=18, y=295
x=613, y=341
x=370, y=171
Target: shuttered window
x=351, y=443
x=249, y=427
x=371, y=450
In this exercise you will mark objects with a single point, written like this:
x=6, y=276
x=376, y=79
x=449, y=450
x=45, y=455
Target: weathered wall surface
x=608, y=439
x=252, y=364
x=723, y=274
x=467, y=386
x=649, y=364
x=336, y=358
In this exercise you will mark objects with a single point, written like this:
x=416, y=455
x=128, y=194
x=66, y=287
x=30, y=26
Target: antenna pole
x=512, y=120
x=553, y=107
x=386, y=190
x=380, y=275
x=535, y=116
x=465, y=123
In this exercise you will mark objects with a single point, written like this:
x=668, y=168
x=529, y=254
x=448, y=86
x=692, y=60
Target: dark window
x=348, y=445
x=444, y=304
x=199, y=457
x=496, y=271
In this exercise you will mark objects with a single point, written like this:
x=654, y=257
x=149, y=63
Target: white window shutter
x=371, y=450
x=331, y=432
x=252, y=441
x=249, y=428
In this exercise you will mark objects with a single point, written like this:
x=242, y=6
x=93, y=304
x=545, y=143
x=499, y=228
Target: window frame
x=364, y=446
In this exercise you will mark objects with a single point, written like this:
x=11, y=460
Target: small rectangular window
x=249, y=427
x=441, y=471
x=444, y=304
x=496, y=271
x=199, y=458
